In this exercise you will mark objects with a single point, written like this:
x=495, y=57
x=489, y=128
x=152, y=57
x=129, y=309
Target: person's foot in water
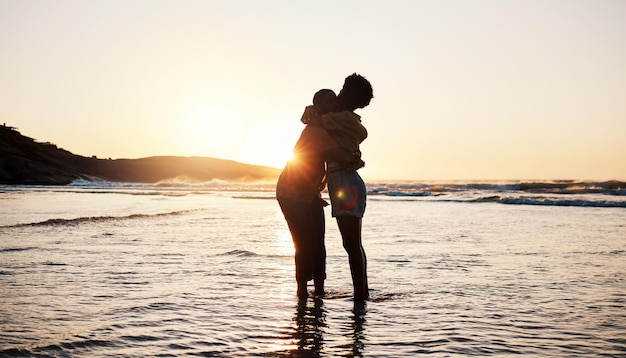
x=361, y=297
x=319, y=288
x=303, y=292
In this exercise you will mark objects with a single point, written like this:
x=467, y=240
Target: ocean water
x=463, y=269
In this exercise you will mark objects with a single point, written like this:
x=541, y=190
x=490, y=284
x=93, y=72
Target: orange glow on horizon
x=471, y=95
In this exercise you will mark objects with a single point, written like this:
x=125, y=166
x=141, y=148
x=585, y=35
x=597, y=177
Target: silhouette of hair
x=356, y=92
x=323, y=97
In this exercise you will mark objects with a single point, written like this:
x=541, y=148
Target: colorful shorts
x=347, y=193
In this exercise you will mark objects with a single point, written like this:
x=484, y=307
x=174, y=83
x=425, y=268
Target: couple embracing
x=327, y=153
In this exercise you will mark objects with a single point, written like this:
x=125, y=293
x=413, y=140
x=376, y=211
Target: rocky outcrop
x=26, y=161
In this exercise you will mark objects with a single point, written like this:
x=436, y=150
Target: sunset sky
x=480, y=90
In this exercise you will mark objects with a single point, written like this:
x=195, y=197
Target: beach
x=465, y=269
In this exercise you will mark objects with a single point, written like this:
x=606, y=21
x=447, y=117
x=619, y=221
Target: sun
x=206, y=129
x=216, y=130
x=269, y=145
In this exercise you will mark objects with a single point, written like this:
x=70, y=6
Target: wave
x=96, y=219
x=65, y=348
x=175, y=184
x=16, y=249
x=513, y=200
x=273, y=197
x=612, y=187
x=246, y=253
x=551, y=202
x=604, y=194
x=169, y=188
x=239, y=253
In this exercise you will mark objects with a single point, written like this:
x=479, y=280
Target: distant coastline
x=25, y=161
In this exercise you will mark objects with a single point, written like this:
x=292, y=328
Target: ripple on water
x=447, y=279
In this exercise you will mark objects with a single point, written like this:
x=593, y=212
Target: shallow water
x=155, y=272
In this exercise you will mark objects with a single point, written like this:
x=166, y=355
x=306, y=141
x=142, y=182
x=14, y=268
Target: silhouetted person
x=344, y=126
x=345, y=186
x=298, y=193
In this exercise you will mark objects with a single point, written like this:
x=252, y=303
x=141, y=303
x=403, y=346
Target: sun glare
x=207, y=130
x=211, y=129
x=269, y=145
x=267, y=154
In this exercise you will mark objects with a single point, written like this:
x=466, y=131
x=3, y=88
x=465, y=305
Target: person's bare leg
x=350, y=229
x=319, y=264
x=300, y=222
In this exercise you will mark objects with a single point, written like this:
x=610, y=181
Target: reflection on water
x=358, y=332
x=207, y=275
x=311, y=326
x=309, y=333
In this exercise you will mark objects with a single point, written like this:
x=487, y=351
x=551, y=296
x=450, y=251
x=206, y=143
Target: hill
x=26, y=161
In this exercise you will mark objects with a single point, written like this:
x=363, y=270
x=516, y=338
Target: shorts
x=347, y=193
